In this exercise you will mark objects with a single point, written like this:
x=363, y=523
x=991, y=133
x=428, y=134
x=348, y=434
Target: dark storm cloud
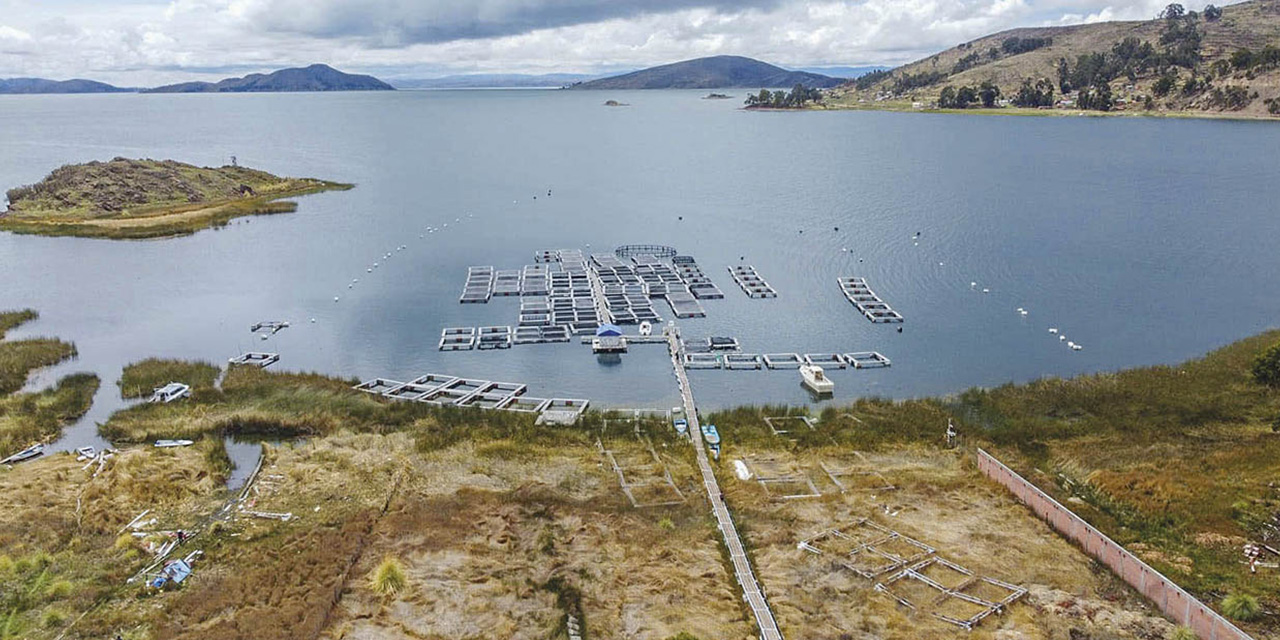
x=401, y=22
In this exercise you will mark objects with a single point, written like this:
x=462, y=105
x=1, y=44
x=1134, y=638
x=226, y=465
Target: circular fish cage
x=655, y=250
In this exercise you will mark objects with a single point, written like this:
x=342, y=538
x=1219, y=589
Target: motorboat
x=170, y=392
x=813, y=377
x=169, y=444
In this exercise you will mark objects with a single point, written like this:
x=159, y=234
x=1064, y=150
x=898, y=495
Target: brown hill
x=1008, y=58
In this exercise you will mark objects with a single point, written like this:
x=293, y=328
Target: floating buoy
x=335, y=298
x=1077, y=347
x=986, y=291
x=1053, y=329
x=1061, y=338
x=370, y=270
x=972, y=285
x=1023, y=312
x=313, y=321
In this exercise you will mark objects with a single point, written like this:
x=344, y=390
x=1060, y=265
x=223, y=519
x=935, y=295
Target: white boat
x=815, y=379
x=167, y=444
x=33, y=451
x=170, y=392
x=646, y=328
x=85, y=452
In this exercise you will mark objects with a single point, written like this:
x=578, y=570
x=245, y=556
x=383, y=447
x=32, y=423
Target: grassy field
x=123, y=199
x=141, y=378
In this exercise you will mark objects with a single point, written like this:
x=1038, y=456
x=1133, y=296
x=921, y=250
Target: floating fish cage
x=742, y=361
x=655, y=250
x=826, y=360
x=527, y=404
x=458, y=339
x=722, y=343
x=494, y=338
x=378, y=386
x=856, y=291
x=751, y=283
x=867, y=360
x=783, y=360
x=703, y=361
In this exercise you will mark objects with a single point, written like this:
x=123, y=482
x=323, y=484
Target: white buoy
x=1053, y=329
x=972, y=285
x=369, y=270
x=1077, y=347
x=350, y=286
x=939, y=264
x=1071, y=344
x=986, y=291
x=1061, y=338
x=1022, y=311
x=313, y=321
x=335, y=298
x=264, y=336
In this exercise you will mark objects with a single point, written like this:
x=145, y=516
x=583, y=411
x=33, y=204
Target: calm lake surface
x=1147, y=241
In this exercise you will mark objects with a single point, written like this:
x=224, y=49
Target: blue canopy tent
x=608, y=331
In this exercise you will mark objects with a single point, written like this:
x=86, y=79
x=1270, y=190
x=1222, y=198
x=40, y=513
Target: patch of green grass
x=33, y=417
x=1241, y=606
x=388, y=577
x=141, y=378
x=19, y=358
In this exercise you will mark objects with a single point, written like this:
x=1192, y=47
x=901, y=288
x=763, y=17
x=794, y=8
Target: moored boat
x=816, y=380
x=33, y=451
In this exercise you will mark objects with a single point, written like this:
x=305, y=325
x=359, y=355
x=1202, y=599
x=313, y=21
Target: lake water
x=1147, y=241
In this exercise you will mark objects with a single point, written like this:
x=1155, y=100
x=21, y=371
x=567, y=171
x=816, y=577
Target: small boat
x=712, y=437
x=170, y=392
x=86, y=452
x=681, y=425
x=168, y=444
x=816, y=380
x=33, y=451
x=646, y=328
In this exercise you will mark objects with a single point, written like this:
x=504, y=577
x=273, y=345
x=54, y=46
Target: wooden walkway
x=751, y=591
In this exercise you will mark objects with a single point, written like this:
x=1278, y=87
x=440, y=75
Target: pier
x=259, y=359
x=441, y=390
x=751, y=592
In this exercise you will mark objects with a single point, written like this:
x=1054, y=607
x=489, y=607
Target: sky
x=149, y=42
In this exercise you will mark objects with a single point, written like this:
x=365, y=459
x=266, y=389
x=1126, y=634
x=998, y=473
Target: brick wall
x=1172, y=599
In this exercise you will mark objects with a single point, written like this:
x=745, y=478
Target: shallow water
x=1147, y=241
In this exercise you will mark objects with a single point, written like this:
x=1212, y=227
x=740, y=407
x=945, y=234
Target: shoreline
x=899, y=107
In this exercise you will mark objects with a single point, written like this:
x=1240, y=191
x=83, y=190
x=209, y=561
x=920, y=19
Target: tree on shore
x=799, y=96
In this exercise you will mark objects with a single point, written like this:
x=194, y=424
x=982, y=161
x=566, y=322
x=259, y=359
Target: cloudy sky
x=144, y=42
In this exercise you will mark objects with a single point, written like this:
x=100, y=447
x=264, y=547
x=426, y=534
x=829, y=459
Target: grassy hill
x=1133, y=60
x=126, y=198
x=317, y=77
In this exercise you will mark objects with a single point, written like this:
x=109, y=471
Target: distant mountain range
x=717, y=72
x=493, y=81
x=41, y=85
x=317, y=77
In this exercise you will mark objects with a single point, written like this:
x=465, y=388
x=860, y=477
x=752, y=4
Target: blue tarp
x=608, y=330
x=178, y=570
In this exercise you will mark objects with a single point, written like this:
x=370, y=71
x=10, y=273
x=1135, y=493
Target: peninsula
x=126, y=198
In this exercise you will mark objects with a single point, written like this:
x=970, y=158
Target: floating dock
x=257, y=358
x=441, y=390
x=860, y=295
x=685, y=305
x=751, y=283
x=274, y=325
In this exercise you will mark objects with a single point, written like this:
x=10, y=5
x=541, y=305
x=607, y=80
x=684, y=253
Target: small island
x=615, y=103
x=126, y=198
x=717, y=96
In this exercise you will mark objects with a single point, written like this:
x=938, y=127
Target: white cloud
x=141, y=42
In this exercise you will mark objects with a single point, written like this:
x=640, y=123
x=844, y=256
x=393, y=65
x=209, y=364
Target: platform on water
x=751, y=283
x=867, y=302
x=257, y=358
x=458, y=339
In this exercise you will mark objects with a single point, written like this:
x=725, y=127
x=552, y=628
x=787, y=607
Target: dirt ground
x=940, y=500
